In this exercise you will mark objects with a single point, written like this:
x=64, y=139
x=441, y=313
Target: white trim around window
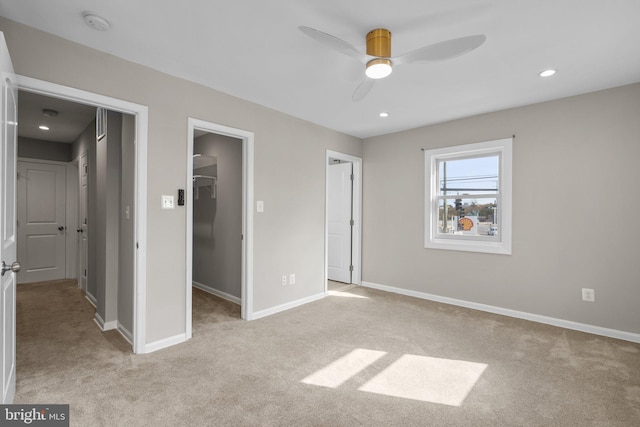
x=436, y=236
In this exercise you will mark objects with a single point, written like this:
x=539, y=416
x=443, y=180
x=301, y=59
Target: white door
x=41, y=221
x=83, y=227
x=339, y=222
x=9, y=116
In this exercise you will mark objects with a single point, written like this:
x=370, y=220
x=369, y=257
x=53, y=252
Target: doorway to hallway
x=136, y=118
x=343, y=218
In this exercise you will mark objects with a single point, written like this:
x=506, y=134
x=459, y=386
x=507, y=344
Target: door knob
x=14, y=268
x=61, y=228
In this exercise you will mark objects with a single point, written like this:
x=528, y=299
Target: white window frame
x=434, y=240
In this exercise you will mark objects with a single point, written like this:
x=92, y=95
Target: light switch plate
x=167, y=202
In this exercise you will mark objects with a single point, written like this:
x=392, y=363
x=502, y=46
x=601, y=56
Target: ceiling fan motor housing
x=379, y=43
x=379, y=46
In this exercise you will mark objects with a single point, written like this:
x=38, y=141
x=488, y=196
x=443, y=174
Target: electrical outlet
x=588, y=295
x=292, y=279
x=284, y=280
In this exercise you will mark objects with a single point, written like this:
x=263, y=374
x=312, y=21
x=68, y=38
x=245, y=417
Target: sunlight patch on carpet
x=336, y=373
x=345, y=294
x=427, y=379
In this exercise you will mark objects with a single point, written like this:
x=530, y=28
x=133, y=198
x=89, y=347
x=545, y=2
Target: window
x=468, y=197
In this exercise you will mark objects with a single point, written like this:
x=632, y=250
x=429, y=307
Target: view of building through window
x=468, y=195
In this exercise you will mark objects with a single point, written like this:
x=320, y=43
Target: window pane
x=476, y=175
x=468, y=216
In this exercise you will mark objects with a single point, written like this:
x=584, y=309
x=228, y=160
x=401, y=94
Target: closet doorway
x=219, y=197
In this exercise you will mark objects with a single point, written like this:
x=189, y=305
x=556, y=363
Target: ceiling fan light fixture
x=378, y=68
x=378, y=58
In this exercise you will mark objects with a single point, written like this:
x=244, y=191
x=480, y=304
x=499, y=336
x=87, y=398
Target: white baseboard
x=164, y=343
x=99, y=321
x=217, y=293
x=91, y=299
x=277, y=309
x=126, y=334
x=567, y=324
x=104, y=326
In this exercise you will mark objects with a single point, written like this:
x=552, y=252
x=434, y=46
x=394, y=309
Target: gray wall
x=217, y=223
x=127, y=230
x=85, y=141
x=111, y=249
x=288, y=236
x=107, y=217
x=44, y=150
x=575, y=173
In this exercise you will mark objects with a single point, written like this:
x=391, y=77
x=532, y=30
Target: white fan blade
x=363, y=89
x=441, y=51
x=333, y=43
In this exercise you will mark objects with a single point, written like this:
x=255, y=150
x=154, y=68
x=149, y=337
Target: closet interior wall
x=217, y=215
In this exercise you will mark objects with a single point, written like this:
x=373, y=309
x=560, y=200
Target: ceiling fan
x=378, y=60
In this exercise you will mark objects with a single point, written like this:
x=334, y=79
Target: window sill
x=499, y=248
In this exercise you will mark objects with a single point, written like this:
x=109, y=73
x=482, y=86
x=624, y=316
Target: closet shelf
x=201, y=161
x=204, y=177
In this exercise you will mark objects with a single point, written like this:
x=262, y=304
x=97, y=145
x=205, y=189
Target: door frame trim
x=141, y=113
x=356, y=245
x=247, y=138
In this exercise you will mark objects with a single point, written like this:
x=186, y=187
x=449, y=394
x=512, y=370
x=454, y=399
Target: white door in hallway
x=41, y=221
x=8, y=129
x=339, y=223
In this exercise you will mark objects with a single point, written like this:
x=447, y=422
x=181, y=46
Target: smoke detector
x=96, y=22
x=49, y=113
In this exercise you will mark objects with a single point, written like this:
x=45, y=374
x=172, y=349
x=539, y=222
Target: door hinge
x=352, y=223
x=242, y=237
x=351, y=268
x=137, y=246
x=352, y=177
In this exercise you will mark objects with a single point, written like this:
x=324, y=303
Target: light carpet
x=357, y=357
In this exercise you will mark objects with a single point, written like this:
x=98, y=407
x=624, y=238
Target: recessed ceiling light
x=96, y=22
x=384, y=114
x=547, y=73
x=43, y=127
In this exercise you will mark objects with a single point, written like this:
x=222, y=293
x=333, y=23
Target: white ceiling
x=253, y=49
